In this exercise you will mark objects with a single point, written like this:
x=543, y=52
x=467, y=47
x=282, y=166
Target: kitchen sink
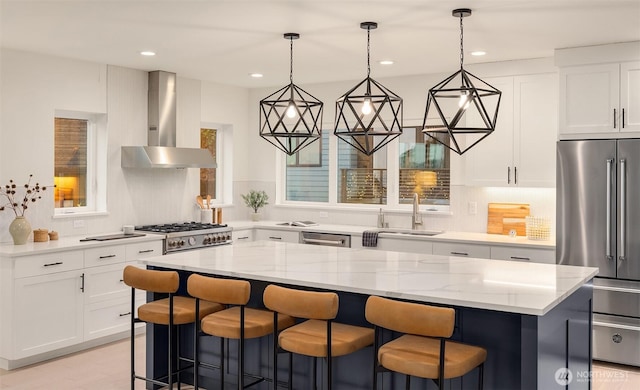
x=410, y=232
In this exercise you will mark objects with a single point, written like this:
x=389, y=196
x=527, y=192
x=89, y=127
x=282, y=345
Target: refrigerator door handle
x=608, y=207
x=623, y=208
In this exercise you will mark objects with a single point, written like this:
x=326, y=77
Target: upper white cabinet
x=600, y=99
x=521, y=150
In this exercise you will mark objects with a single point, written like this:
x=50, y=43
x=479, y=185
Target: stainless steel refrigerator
x=598, y=225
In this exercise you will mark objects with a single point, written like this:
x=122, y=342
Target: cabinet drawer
x=277, y=235
x=242, y=236
x=48, y=264
x=142, y=250
x=464, y=250
x=523, y=254
x=103, y=283
x=616, y=339
x=104, y=255
x=108, y=317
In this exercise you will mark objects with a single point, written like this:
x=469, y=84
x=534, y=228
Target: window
x=208, y=140
x=307, y=172
x=79, y=164
x=412, y=163
x=423, y=168
x=361, y=178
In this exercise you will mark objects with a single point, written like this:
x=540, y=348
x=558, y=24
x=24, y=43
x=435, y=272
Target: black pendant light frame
x=475, y=90
x=361, y=134
x=290, y=136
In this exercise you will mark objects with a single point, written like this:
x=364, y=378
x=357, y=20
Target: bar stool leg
x=221, y=363
x=481, y=377
x=275, y=350
x=133, y=337
x=290, y=371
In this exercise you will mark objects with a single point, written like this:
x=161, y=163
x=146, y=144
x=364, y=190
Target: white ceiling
x=225, y=40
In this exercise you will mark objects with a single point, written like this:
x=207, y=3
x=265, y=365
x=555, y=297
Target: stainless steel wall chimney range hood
x=161, y=151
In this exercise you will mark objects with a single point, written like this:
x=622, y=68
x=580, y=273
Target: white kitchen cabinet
x=47, y=312
x=277, y=235
x=523, y=254
x=521, y=150
x=400, y=245
x=461, y=249
x=62, y=299
x=600, y=99
x=244, y=235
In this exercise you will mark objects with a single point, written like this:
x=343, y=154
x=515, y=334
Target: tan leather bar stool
x=171, y=311
x=423, y=350
x=236, y=322
x=317, y=336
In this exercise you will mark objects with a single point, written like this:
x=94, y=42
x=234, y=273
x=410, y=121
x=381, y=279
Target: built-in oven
x=326, y=239
x=190, y=235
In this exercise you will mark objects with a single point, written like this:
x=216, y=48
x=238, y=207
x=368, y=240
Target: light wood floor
x=107, y=368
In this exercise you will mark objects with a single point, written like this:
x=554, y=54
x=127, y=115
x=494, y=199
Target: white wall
x=33, y=86
x=413, y=90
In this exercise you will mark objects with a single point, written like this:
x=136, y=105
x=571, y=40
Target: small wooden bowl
x=40, y=235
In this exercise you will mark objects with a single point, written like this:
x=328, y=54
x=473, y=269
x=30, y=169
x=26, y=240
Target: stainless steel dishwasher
x=326, y=239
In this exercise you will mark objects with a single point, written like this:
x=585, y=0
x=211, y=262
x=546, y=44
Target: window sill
x=80, y=214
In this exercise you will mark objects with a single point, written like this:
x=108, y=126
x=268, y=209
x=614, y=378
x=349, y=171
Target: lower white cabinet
x=244, y=235
x=523, y=254
x=400, y=245
x=47, y=312
x=277, y=235
x=461, y=249
x=65, y=298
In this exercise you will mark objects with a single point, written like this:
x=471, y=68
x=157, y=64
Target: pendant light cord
x=291, y=61
x=461, y=43
x=368, y=52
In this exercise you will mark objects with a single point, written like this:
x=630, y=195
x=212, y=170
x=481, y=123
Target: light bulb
x=366, y=106
x=291, y=111
x=464, y=100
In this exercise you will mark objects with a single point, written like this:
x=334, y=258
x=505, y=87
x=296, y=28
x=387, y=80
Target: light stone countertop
x=70, y=243
x=448, y=236
x=507, y=286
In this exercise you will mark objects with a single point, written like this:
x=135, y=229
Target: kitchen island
x=534, y=319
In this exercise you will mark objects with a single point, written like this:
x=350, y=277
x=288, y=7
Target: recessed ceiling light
x=255, y=75
x=386, y=62
x=147, y=53
x=478, y=53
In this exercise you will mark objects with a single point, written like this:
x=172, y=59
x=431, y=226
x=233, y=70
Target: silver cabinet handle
x=323, y=242
x=520, y=258
x=515, y=175
x=623, y=208
x=275, y=238
x=243, y=238
x=623, y=118
x=145, y=251
x=459, y=253
x=614, y=118
x=107, y=256
x=508, y=175
x=52, y=264
x=608, y=207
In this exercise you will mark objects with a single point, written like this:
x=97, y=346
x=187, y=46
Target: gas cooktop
x=179, y=227
x=190, y=235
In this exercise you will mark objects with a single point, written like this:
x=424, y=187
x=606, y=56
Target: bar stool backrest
x=301, y=304
x=150, y=280
x=410, y=318
x=225, y=291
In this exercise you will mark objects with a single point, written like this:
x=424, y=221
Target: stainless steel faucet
x=416, y=217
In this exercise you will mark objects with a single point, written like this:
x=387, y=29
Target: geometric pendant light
x=464, y=107
x=369, y=115
x=290, y=118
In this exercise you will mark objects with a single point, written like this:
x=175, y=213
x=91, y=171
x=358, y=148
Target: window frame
x=96, y=190
x=393, y=185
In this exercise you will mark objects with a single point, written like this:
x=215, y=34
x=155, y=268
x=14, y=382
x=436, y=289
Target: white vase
x=255, y=217
x=20, y=229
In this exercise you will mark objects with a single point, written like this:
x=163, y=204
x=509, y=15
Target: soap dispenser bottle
x=380, y=219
